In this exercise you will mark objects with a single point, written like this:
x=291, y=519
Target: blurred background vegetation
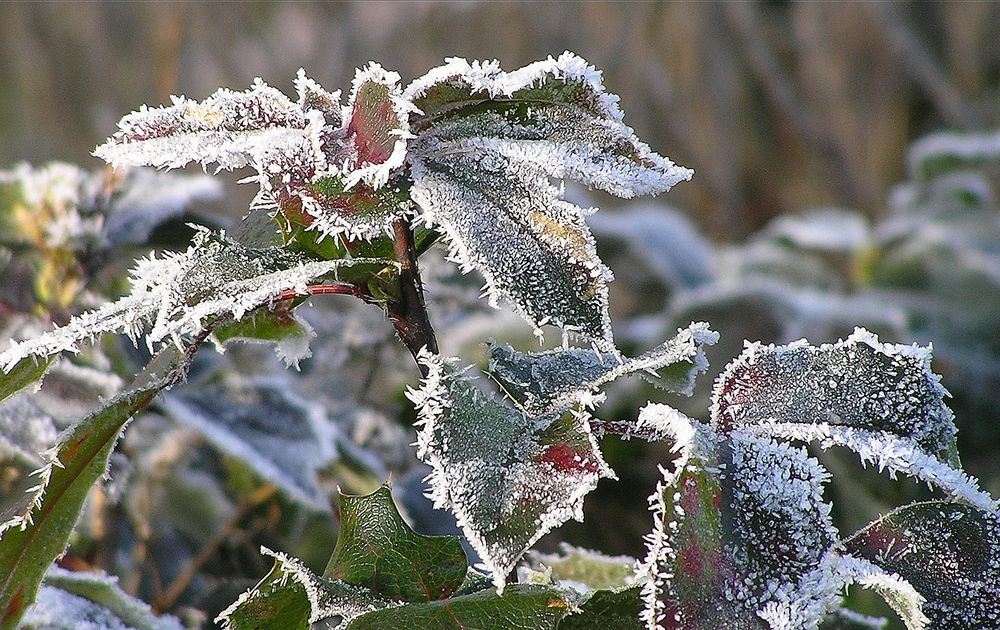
x=804, y=218
x=777, y=106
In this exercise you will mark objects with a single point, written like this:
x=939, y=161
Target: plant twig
x=408, y=314
x=178, y=586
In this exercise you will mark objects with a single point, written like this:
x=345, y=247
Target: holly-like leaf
x=508, y=477
x=949, y=552
x=292, y=597
x=520, y=607
x=488, y=143
x=67, y=599
x=177, y=295
x=378, y=550
x=880, y=400
x=608, y=610
x=555, y=380
x=37, y=535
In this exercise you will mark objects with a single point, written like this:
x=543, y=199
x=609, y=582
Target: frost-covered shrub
x=474, y=158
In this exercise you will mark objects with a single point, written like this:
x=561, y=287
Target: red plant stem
x=340, y=288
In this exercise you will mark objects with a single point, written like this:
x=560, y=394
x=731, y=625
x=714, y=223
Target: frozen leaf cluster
x=741, y=529
x=512, y=469
x=323, y=162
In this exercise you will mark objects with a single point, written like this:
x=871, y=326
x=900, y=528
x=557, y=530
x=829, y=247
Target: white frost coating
x=333, y=599
x=887, y=452
x=292, y=146
x=970, y=147
x=90, y=601
x=161, y=288
x=486, y=76
x=858, y=382
x=228, y=128
x=818, y=593
x=493, y=465
x=575, y=160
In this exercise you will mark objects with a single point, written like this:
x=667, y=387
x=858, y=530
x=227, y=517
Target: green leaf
x=949, y=552
x=508, y=477
x=555, y=380
x=608, y=610
x=291, y=596
x=378, y=550
x=275, y=603
x=32, y=539
x=28, y=370
x=520, y=607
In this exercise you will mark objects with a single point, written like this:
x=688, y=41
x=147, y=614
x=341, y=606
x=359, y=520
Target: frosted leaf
x=557, y=379
x=949, y=552
x=859, y=383
x=177, y=294
x=508, y=477
x=487, y=144
x=554, y=114
x=739, y=527
x=25, y=430
x=292, y=596
x=503, y=219
x=283, y=438
x=228, y=128
x=683, y=567
x=322, y=166
x=90, y=601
